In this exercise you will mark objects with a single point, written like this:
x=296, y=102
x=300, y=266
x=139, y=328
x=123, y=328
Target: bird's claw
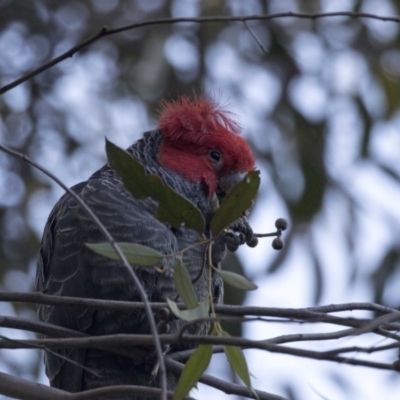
x=239, y=233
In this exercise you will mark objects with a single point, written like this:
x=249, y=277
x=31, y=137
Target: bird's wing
x=66, y=267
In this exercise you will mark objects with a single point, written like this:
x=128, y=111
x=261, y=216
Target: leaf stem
x=260, y=235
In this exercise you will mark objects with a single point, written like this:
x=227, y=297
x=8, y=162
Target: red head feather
x=192, y=127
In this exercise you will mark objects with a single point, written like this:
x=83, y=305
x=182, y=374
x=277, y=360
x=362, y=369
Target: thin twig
x=260, y=45
x=353, y=306
x=65, y=301
x=301, y=337
x=110, y=239
x=388, y=334
x=377, y=322
x=358, y=349
x=163, y=21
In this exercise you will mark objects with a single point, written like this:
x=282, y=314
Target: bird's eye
x=215, y=155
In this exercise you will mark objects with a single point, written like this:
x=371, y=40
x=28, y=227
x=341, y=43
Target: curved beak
x=227, y=182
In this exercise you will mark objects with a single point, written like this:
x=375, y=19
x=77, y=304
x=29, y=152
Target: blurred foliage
x=320, y=108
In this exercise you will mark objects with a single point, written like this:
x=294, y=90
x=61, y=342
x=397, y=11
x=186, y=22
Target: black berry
x=253, y=242
x=281, y=224
x=278, y=243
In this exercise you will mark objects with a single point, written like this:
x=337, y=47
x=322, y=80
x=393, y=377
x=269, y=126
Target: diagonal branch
x=110, y=239
x=257, y=40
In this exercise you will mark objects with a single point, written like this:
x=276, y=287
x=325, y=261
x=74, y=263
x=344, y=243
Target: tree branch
x=301, y=337
x=23, y=389
x=242, y=311
x=163, y=21
x=302, y=315
x=121, y=340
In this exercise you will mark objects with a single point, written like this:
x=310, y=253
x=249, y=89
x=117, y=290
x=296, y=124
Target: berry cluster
x=281, y=225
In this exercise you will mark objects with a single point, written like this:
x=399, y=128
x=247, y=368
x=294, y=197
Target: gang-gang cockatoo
x=197, y=151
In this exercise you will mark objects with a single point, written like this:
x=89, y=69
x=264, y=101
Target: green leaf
x=190, y=315
x=172, y=207
x=135, y=253
x=184, y=286
x=193, y=370
x=236, y=280
x=236, y=358
x=236, y=202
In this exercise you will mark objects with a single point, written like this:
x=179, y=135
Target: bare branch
x=121, y=340
x=353, y=306
x=301, y=337
x=260, y=45
x=386, y=333
x=23, y=389
x=378, y=322
x=300, y=313
x=292, y=315
x=163, y=21
x=358, y=349
x=65, y=301
x=52, y=330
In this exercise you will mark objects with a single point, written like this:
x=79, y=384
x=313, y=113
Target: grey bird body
x=66, y=267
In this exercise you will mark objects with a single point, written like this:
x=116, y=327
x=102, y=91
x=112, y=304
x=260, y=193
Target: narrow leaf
x=135, y=253
x=184, y=286
x=236, y=280
x=236, y=358
x=193, y=370
x=190, y=315
x=172, y=207
x=236, y=202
